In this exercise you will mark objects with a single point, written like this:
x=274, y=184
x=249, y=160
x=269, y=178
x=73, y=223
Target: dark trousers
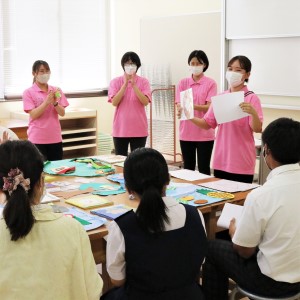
x=121, y=144
x=203, y=151
x=51, y=151
x=232, y=176
x=222, y=262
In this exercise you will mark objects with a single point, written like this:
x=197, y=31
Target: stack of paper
x=188, y=175
x=111, y=159
x=229, y=185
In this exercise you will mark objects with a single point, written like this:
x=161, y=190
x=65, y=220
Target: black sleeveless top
x=164, y=266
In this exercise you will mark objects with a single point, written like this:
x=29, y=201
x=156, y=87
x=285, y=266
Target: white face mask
x=234, y=79
x=43, y=78
x=196, y=70
x=265, y=156
x=130, y=69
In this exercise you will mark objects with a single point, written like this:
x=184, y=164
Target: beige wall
x=126, y=16
x=125, y=36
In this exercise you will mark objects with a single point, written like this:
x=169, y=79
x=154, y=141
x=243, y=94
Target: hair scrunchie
x=15, y=177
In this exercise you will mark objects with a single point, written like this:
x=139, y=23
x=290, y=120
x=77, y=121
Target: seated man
x=263, y=256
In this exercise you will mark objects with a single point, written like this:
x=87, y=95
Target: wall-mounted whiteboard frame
x=275, y=64
x=170, y=40
x=268, y=32
x=262, y=18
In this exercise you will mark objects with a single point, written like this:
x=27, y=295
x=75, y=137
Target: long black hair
x=17, y=213
x=146, y=173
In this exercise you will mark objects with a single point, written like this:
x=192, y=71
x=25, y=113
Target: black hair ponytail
x=18, y=215
x=151, y=212
x=24, y=157
x=146, y=173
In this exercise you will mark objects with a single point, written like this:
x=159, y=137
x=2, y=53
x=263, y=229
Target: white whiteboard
x=170, y=40
x=262, y=18
x=275, y=64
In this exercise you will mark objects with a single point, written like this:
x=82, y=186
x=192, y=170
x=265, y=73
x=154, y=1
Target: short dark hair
x=282, y=137
x=130, y=56
x=244, y=62
x=146, y=173
x=201, y=56
x=17, y=211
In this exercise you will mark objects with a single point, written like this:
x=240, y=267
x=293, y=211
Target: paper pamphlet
x=112, y=212
x=188, y=175
x=89, y=201
x=229, y=211
x=187, y=104
x=88, y=221
x=229, y=185
x=226, y=107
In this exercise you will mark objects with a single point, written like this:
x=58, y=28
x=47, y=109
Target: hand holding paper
x=187, y=104
x=229, y=212
x=227, y=107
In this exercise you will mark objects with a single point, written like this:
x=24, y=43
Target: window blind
x=71, y=35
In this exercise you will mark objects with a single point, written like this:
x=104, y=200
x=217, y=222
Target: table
x=96, y=236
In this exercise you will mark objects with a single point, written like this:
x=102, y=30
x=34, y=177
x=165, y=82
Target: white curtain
x=71, y=35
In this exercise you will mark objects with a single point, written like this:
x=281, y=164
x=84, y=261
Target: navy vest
x=164, y=266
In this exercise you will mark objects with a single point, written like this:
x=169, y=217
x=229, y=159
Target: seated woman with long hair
x=156, y=252
x=44, y=255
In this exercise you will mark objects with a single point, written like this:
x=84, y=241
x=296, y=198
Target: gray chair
x=238, y=290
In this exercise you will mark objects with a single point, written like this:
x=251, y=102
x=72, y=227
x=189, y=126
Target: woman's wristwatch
x=55, y=104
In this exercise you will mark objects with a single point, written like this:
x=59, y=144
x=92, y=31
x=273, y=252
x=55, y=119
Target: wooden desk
x=19, y=127
x=96, y=236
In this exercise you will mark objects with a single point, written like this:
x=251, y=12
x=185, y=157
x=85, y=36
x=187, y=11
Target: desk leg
x=99, y=252
x=107, y=285
x=210, y=224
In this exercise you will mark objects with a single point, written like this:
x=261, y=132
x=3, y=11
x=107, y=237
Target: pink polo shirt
x=46, y=129
x=234, y=150
x=130, y=115
x=203, y=90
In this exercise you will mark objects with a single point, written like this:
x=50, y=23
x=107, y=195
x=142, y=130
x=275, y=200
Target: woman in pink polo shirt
x=130, y=94
x=192, y=138
x=44, y=103
x=234, y=153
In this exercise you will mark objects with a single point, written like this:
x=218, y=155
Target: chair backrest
x=11, y=134
x=250, y=295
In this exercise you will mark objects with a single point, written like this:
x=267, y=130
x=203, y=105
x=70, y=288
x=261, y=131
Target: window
x=71, y=35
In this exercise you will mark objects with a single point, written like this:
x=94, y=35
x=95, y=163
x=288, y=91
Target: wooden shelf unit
x=79, y=130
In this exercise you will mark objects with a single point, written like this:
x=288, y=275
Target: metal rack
x=161, y=115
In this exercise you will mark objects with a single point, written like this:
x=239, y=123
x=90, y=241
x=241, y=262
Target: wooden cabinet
x=79, y=134
x=79, y=130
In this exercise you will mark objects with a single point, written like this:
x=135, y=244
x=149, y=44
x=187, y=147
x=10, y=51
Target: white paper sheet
x=187, y=104
x=226, y=107
x=230, y=186
x=188, y=175
x=229, y=211
x=49, y=198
